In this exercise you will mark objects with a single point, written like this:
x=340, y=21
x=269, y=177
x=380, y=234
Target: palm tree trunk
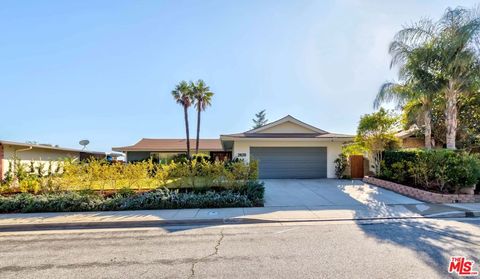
x=185, y=112
x=428, y=129
x=451, y=115
x=198, y=131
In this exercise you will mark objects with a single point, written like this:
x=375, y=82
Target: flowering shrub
x=101, y=175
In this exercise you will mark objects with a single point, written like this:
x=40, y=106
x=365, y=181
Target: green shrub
x=251, y=195
x=463, y=171
x=341, y=164
x=445, y=171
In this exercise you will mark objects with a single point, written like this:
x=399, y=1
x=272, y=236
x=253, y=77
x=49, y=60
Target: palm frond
x=391, y=92
x=417, y=33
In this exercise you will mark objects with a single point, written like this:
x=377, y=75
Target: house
x=411, y=138
x=163, y=149
x=45, y=155
x=286, y=148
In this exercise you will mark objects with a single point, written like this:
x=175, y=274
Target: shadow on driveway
x=432, y=240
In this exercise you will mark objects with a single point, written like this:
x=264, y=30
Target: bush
x=101, y=175
x=250, y=195
x=341, y=164
x=444, y=171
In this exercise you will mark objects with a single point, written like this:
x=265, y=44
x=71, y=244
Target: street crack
x=214, y=253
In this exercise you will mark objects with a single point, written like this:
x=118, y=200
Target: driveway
x=329, y=193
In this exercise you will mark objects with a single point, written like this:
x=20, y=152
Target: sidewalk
x=146, y=218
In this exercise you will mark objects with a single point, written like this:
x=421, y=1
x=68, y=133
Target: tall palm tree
x=416, y=92
x=203, y=97
x=455, y=51
x=183, y=96
x=416, y=104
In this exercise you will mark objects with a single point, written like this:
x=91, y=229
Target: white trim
x=287, y=118
x=332, y=139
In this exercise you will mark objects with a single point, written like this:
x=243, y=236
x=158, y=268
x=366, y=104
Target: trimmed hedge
x=443, y=170
x=251, y=194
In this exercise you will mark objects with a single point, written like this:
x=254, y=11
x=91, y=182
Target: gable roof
x=315, y=132
x=171, y=145
x=285, y=119
x=414, y=129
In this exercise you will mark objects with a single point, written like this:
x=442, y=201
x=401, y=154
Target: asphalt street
x=416, y=248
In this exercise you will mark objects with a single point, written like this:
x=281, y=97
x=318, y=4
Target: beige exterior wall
x=413, y=142
x=287, y=127
x=38, y=155
x=334, y=148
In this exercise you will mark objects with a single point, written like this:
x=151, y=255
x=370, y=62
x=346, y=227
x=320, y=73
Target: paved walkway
x=142, y=218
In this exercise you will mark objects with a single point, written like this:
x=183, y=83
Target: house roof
x=287, y=118
x=288, y=135
x=172, y=145
x=314, y=131
x=48, y=146
x=409, y=132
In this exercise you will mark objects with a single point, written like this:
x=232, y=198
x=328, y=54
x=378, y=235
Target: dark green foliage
x=444, y=171
x=255, y=191
x=251, y=194
x=341, y=164
x=260, y=119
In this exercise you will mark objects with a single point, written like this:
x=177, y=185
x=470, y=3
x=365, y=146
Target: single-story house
x=410, y=138
x=286, y=148
x=163, y=149
x=45, y=155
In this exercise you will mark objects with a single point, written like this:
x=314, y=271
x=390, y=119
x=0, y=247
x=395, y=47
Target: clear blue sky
x=103, y=70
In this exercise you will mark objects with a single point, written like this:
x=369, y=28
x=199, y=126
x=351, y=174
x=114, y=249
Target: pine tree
x=260, y=119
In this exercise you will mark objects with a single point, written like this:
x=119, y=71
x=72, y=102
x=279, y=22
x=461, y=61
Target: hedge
x=251, y=194
x=444, y=171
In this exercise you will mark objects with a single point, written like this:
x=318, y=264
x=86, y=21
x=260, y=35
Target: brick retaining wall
x=418, y=193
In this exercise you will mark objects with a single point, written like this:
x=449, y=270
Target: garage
x=291, y=162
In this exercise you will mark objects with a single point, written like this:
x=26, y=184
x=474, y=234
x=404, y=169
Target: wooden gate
x=356, y=166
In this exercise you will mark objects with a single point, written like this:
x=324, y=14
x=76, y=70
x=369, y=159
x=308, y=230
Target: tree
x=183, y=96
x=260, y=119
x=203, y=98
x=376, y=133
x=415, y=91
x=454, y=51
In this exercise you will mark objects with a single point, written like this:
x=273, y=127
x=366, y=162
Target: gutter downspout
x=15, y=156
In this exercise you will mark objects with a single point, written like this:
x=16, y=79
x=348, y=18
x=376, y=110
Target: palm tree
x=416, y=104
x=454, y=40
x=416, y=92
x=183, y=96
x=203, y=97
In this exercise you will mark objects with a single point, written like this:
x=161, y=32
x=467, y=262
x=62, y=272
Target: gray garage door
x=291, y=162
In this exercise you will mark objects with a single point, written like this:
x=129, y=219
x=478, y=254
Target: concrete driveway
x=329, y=192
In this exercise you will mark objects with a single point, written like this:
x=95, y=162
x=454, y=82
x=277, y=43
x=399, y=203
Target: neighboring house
x=164, y=149
x=286, y=148
x=44, y=155
x=411, y=138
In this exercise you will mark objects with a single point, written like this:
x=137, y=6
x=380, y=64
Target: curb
x=205, y=222
x=455, y=214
